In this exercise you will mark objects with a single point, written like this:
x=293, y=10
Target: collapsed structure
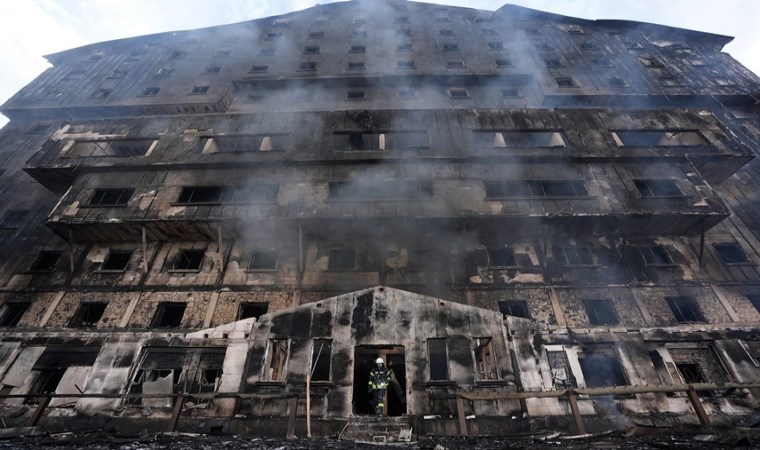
x=507, y=206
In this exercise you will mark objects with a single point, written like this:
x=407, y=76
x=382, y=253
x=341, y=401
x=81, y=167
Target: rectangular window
x=311, y=49
x=358, y=49
x=600, y=312
x=263, y=260
x=120, y=149
x=307, y=66
x=169, y=315
x=254, y=97
x=406, y=64
x=341, y=259
x=588, y=46
x=503, y=62
x=501, y=257
x=445, y=32
x=578, y=255
x=542, y=46
x=38, y=128
x=360, y=34
x=212, y=70
x=657, y=188
x=562, y=374
x=602, y=371
x=455, y=65
x=438, y=359
x=450, y=46
x=458, y=93
x=401, y=140
x=514, y=308
x=518, y=139
x=216, y=195
x=110, y=197
x=277, y=357
x=755, y=300
x=357, y=65
x=355, y=95
x=12, y=312
x=248, y=310
x=485, y=360
x=320, y=360
x=565, y=82
x=164, y=71
x=651, y=62
x=317, y=35
x=88, y=315
x=495, y=45
x=404, y=47
x=265, y=51
x=685, y=309
x=222, y=53
x=602, y=62
x=380, y=190
x=46, y=261
x=553, y=62
x=575, y=29
x=618, y=82
x=199, y=90
x=178, y=54
x=248, y=143
x=150, y=91
x=510, y=93
x=101, y=93
x=259, y=68
x=655, y=255
x=189, y=260
x=116, y=261
x=658, y=138
x=731, y=254
x=13, y=218
x=536, y=189
x=46, y=383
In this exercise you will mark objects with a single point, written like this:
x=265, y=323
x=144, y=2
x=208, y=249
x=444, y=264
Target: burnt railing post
x=41, y=406
x=698, y=408
x=179, y=403
x=572, y=399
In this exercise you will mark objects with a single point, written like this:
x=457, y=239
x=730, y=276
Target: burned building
x=532, y=218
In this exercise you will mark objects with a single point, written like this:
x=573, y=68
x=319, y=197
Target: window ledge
x=110, y=272
x=261, y=270
x=184, y=270
x=341, y=270
x=268, y=202
x=489, y=383
x=665, y=197
x=441, y=383
x=575, y=197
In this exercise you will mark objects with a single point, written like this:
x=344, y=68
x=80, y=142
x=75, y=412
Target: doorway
x=364, y=361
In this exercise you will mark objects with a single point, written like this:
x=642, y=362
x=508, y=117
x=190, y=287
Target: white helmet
x=379, y=361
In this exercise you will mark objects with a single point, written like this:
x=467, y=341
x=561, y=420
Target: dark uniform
x=379, y=378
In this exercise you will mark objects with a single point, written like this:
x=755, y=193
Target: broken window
x=212, y=195
x=655, y=255
x=199, y=90
x=212, y=70
x=455, y=64
x=402, y=140
x=117, y=261
x=88, y=315
x=565, y=82
x=247, y=143
x=755, y=300
x=259, y=68
x=38, y=128
x=311, y=49
x=188, y=260
x=438, y=359
x=514, y=308
x=658, y=138
x=46, y=261
x=600, y=312
x=450, y=46
x=578, y=255
x=485, y=360
x=404, y=47
x=11, y=313
x=503, y=62
x=248, y=310
x=356, y=65
x=110, y=197
x=574, y=29
x=501, y=257
x=13, y=218
x=46, y=382
x=277, y=356
x=651, y=62
x=553, y=62
x=320, y=359
x=63, y=370
x=381, y=191
x=657, y=188
x=731, y=254
x=307, y=66
x=562, y=375
x=406, y=64
x=341, y=259
x=358, y=49
x=169, y=315
x=121, y=148
x=685, y=309
x=164, y=71
x=458, y=93
x=698, y=365
x=518, y=139
x=510, y=93
x=263, y=260
x=150, y=91
x=355, y=95
x=519, y=189
x=495, y=45
x=601, y=370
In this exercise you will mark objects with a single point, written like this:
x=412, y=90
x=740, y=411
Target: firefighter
x=379, y=378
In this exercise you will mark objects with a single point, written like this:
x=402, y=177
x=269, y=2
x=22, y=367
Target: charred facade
x=504, y=205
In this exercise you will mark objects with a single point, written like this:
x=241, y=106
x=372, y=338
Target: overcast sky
x=32, y=28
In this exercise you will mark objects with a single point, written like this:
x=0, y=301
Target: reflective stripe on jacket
x=379, y=378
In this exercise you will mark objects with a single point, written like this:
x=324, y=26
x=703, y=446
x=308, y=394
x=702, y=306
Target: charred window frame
x=502, y=63
x=659, y=138
x=12, y=312
x=566, y=82
x=485, y=359
x=732, y=254
x=449, y=46
x=341, y=259
x=169, y=315
x=578, y=256
x=685, y=309
x=514, y=308
x=321, y=356
x=459, y=94
x=216, y=195
x=150, y=91
x=252, y=310
x=406, y=64
x=561, y=372
x=212, y=70
x=111, y=197
x=308, y=66
x=518, y=139
x=602, y=370
x=455, y=64
x=618, y=82
x=655, y=256
x=275, y=366
x=122, y=148
x=46, y=261
x=88, y=315
x=438, y=359
x=355, y=95
x=311, y=50
x=38, y=128
x=601, y=312
x=363, y=191
x=356, y=65
x=46, y=382
x=755, y=300
x=199, y=90
x=698, y=364
x=658, y=189
x=263, y=261
x=116, y=261
x=501, y=258
x=188, y=260
x=248, y=143
x=535, y=189
x=259, y=68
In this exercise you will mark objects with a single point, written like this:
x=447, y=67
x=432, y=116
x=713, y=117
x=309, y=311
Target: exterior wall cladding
x=507, y=206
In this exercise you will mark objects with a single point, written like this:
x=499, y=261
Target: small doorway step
x=378, y=430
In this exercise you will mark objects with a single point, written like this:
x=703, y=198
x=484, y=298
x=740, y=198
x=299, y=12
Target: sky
x=30, y=29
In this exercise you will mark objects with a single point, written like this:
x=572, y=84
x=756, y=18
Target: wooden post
x=71, y=250
x=292, y=419
x=698, y=408
x=145, y=249
x=460, y=415
x=44, y=402
x=308, y=406
x=579, y=426
x=178, y=404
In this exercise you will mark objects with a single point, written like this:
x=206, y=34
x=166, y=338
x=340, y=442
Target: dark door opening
x=364, y=361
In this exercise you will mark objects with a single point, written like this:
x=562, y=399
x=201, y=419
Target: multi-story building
x=506, y=206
